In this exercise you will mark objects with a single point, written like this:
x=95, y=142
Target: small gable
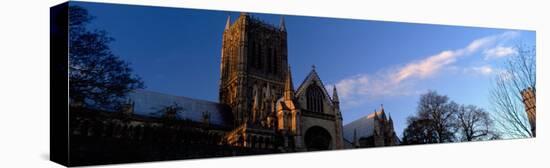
x=312, y=79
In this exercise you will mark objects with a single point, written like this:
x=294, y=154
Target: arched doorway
x=317, y=138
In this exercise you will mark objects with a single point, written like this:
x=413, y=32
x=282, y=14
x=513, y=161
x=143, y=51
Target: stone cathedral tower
x=253, y=68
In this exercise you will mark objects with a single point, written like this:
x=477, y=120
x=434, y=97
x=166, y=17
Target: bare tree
x=440, y=120
x=474, y=124
x=97, y=77
x=518, y=75
x=419, y=131
x=441, y=112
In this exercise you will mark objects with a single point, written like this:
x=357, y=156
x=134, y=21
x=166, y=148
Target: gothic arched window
x=315, y=98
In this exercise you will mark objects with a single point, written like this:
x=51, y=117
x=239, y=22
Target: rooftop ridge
x=167, y=94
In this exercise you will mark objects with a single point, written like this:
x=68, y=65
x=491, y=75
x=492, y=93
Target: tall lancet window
x=315, y=98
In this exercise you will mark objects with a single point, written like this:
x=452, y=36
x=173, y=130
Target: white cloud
x=490, y=40
x=483, y=70
x=348, y=86
x=400, y=80
x=499, y=51
x=486, y=70
x=426, y=67
x=433, y=64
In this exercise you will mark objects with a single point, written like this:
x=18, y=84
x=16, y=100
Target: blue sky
x=177, y=51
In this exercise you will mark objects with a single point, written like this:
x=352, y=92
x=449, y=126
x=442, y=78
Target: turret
x=335, y=98
x=128, y=107
x=282, y=25
x=382, y=112
x=228, y=23
x=289, y=87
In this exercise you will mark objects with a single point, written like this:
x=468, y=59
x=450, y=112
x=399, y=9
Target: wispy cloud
x=481, y=70
x=426, y=67
x=499, y=51
x=432, y=64
x=400, y=80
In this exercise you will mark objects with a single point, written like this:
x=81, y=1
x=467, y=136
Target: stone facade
x=529, y=100
x=256, y=83
x=384, y=134
x=319, y=111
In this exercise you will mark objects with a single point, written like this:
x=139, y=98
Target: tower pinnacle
x=289, y=87
x=335, y=95
x=282, y=25
x=228, y=23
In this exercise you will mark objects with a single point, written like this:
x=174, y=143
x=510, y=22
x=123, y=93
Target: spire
x=228, y=23
x=289, y=87
x=382, y=113
x=282, y=25
x=335, y=95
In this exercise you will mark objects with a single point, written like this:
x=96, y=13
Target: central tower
x=253, y=68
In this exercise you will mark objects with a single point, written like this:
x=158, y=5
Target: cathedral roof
x=149, y=103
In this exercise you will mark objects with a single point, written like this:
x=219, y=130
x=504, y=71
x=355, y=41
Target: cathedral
x=256, y=83
x=259, y=111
